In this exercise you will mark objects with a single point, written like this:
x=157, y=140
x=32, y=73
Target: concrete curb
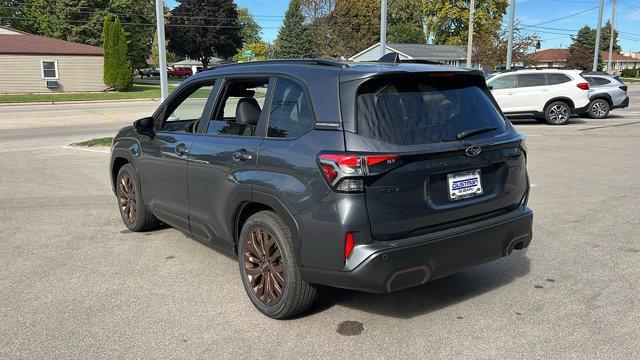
x=79, y=102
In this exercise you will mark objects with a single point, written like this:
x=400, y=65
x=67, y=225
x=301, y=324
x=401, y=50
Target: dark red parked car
x=180, y=72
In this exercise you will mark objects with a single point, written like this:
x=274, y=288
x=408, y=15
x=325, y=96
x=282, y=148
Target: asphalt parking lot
x=75, y=284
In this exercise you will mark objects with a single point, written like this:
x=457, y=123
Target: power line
x=571, y=15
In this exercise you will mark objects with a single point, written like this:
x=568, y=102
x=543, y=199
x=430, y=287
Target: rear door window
x=290, y=115
x=529, y=80
x=424, y=110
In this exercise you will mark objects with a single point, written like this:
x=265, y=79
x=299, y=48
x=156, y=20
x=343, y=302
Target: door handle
x=241, y=155
x=181, y=150
x=509, y=93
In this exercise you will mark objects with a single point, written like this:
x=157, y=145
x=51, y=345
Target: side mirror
x=144, y=126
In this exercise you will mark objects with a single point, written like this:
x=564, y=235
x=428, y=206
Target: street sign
x=248, y=54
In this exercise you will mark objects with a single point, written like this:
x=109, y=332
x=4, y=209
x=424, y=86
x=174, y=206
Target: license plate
x=464, y=185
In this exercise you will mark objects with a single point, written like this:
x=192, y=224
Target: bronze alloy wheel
x=264, y=266
x=128, y=205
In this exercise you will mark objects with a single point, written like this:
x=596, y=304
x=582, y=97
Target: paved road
x=75, y=284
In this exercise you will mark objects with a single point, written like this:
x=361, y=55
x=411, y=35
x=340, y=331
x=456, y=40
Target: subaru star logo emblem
x=473, y=151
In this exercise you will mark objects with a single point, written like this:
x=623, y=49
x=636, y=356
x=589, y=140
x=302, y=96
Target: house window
x=49, y=69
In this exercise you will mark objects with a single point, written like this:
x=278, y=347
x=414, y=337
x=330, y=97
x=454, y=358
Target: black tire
x=557, y=113
x=296, y=295
x=140, y=219
x=599, y=109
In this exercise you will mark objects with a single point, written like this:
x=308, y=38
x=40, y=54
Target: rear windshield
x=424, y=109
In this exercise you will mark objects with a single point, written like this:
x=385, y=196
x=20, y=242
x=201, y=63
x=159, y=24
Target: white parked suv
x=549, y=94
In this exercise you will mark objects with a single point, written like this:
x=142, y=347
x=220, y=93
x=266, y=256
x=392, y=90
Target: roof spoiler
x=394, y=58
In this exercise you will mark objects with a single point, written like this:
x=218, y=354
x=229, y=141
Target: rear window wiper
x=467, y=133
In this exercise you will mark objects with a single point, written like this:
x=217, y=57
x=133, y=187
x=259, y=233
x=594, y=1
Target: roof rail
x=394, y=58
x=321, y=62
x=520, y=68
x=594, y=73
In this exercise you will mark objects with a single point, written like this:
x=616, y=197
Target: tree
x=490, y=48
x=293, y=39
x=355, y=26
x=405, y=33
x=606, y=35
x=448, y=21
x=249, y=29
x=202, y=29
x=11, y=13
x=405, y=22
x=251, y=52
x=585, y=40
x=155, y=54
x=117, y=67
x=579, y=57
x=108, y=46
x=81, y=21
x=319, y=22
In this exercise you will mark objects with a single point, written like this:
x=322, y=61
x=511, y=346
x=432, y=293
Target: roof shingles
x=29, y=44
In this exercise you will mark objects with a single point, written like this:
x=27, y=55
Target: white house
x=446, y=54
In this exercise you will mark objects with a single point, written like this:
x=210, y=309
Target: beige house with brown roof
x=31, y=63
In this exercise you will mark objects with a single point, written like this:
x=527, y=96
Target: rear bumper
x=623, y=104
x=396, y=265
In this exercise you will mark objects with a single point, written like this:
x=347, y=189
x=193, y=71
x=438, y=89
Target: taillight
x=583, y=85
x=349, y=244
x=344, y=172
x=623, y=87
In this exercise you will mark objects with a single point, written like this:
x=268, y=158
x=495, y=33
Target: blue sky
x=269, y=14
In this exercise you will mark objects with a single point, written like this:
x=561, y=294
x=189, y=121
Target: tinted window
x=601, y=81
x=290, y=115
x=553, y=79
x=590, y=80
x=424, y=110
x=526, y=80
x=248, y=92
x=505, y=82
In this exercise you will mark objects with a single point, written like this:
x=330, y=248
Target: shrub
x=117, y=66
x=629, y=72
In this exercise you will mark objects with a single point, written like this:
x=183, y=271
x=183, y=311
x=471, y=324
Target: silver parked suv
x=606, y=93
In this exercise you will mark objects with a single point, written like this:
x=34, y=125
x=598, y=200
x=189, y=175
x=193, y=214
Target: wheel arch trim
x=242, y=198
x=563, y=99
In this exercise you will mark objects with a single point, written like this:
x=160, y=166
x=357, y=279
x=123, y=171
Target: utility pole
x=613, y=30
x=596, y=51
x=383, y=27
x=512, y=14
x=162, y=52
x=472, y=11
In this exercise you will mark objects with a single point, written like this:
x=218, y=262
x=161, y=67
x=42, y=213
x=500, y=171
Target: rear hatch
x=457, y=160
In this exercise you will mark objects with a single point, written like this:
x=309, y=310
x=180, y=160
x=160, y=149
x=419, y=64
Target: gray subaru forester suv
x=370, y=176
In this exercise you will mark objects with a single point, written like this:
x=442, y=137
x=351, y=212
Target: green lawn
x=105, y=141
x=138, y=91
x=630, y=80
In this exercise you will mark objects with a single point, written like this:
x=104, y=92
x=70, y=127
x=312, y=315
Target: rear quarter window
x=554, y=79
x=424, y=110
x=528, y=80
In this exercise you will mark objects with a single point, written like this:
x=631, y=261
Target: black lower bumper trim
x=623, y=104
x=401, y=267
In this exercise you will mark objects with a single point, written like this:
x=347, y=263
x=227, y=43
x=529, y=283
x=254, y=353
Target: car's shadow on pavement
x=432, y=296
